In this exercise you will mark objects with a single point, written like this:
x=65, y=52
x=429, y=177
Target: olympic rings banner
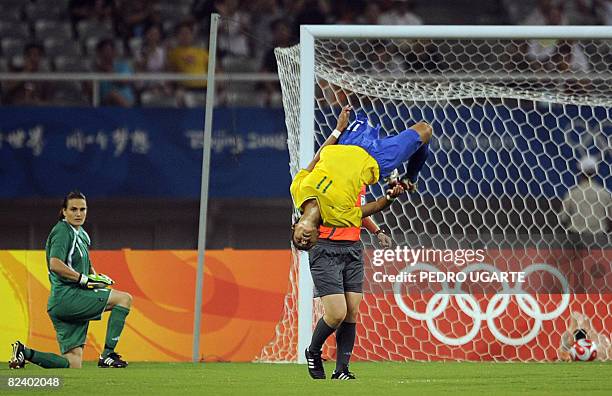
x=508, y=304
x=244, y=294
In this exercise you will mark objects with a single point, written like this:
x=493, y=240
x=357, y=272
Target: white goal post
x=481, y=74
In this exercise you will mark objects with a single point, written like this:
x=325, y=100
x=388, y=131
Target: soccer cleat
x=315, y=364
x=17, y=356
x=343, y=375
x=112, y=361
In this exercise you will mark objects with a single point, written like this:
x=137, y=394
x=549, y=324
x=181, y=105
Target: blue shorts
x=390, y=152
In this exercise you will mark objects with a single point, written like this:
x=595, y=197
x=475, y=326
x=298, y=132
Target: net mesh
x=515, y=122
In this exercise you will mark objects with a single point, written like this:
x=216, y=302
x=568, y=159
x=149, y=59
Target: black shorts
x=336, y=267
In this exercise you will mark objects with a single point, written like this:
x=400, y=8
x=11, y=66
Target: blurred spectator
x=282, y=38
x=547, y=12
x=581, y=12
x=263, y=29
x=568, y=55
x=371, y=14
x=587, y=207
x=29, y=92
x=422, y=55
x=201, y=9
x=99, y=10
x=586, y=214
x=134, y=16
x=516, y=11
x=399, y=12
x=151, y=56
x=186, y=58
x=232, y=39
x=346, y=13
x=310, y=12
x=604, y=11
x=113, y=93
x=560, y=55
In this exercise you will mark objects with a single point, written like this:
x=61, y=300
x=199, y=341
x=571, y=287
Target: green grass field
x=387, y=378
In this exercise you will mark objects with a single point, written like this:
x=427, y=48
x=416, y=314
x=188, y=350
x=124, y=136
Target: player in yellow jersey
x=325, y=192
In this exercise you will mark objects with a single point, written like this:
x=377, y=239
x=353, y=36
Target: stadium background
x=139, y=165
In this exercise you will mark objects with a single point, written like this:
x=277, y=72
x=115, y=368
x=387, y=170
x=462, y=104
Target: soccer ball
x=583, y=350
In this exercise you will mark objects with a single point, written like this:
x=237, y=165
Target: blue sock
x=416, y=162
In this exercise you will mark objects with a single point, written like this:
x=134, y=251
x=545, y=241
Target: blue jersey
x=390, y=151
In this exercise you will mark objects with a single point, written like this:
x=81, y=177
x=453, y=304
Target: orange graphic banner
x=243, y=298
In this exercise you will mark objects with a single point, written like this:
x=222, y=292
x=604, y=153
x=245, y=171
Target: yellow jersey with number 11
x=335, y=182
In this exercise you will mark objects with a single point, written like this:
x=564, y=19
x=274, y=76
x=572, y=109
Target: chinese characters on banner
x=118, y=141
x=141, y=152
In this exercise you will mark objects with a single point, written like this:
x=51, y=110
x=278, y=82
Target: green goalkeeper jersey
x=70, y=245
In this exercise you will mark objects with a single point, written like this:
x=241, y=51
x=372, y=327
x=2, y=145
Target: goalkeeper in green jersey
x=78, y=295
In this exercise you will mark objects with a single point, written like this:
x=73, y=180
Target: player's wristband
x=83, y=280
x=336, y=133
x=389, y=198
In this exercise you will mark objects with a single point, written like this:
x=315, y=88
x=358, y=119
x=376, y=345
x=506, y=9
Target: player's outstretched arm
x=382, y=203
x=343, y=121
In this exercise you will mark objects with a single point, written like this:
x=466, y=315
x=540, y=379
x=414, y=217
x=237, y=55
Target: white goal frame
x=308, y=34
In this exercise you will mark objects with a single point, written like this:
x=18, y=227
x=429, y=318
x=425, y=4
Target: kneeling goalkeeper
x=78, y=295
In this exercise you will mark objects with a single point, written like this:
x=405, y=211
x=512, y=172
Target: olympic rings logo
x=496, y=306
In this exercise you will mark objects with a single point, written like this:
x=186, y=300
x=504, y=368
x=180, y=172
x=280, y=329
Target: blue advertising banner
x=477, y=150
x=141, y=152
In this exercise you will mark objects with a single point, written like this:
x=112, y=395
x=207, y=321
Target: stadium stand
x=70, y=30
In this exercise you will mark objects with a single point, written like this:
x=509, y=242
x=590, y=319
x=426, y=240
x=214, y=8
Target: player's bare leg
x=75, y=357
x=118, y=298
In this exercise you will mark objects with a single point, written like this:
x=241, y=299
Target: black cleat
x=112, y=360
x=315, y=364
x=343, y=375
x=17, y=356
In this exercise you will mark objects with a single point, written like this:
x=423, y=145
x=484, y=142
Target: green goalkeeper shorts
x=72, y=313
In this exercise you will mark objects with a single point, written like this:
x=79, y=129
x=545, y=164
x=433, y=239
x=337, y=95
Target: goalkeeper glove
x=95, y=281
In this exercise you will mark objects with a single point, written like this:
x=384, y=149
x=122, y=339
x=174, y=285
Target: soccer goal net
x=519, y=171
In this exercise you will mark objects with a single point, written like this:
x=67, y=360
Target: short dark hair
x=186, y=23
x=294, y=220
x=278, y=22
x=33, y=45
x=103, y=42
x=152, y=25
x=74, y=194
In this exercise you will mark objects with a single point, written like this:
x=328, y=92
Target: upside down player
x=336, y=266
x=78, y=295
x=325, y=192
